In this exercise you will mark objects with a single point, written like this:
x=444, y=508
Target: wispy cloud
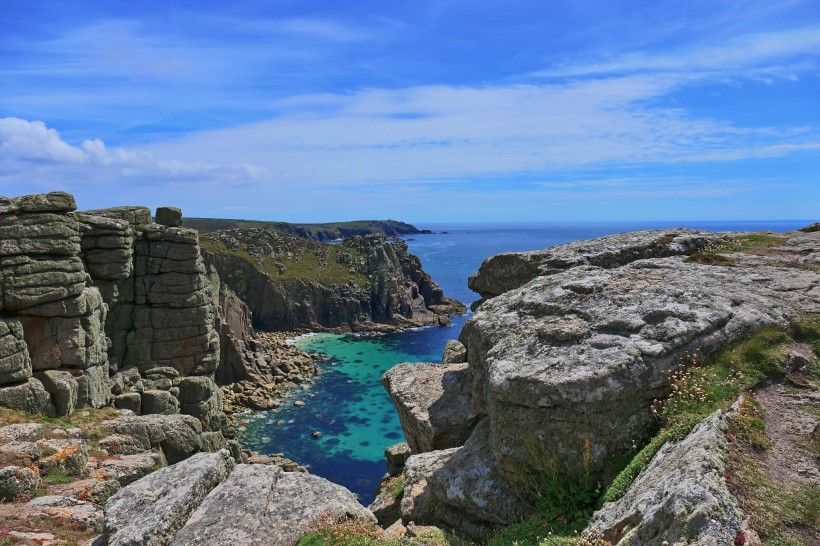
x=748, y=54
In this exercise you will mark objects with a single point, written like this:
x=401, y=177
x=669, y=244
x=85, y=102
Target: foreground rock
x=205, y=501
x=680, y=497
x=153, y=509
x=261, y=504
x=581, y=354
x=577, y=341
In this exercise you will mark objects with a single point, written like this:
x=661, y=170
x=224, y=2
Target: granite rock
x=261, y=504
x=433, y=403
x=151, y=510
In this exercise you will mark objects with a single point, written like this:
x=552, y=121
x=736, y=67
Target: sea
x=348, y=419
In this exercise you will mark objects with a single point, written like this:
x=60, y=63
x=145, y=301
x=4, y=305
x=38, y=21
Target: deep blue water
x=348, y=405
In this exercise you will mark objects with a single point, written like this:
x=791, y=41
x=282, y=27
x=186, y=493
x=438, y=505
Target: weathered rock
x=160, y=402
x=416, y=502
x=69, y=455
x=169, y=216
x=454, y=352
x=121, y=444
x=129, y=401
x=581, y=354
x=213, y=441
x=68, y=510
x=29, y=396
x=127, y=469
x=504, y=272
x=69, y=341
x=472, y=484
x=433, y=403
x=18, y=482
x=62, y=387
x=260, y=504
x=15, y=363
x=396, y=456
x=680, y=497
x=151, y=510
x=177, y=435
x=93, y=388
x=22, y=431
x=19, y=453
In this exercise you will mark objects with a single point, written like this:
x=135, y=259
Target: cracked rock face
x=582, y=353
x=261, y=504
x=433, y=402
x=575, y=342
x=680, y=497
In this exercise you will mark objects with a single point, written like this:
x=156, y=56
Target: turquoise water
x=349, y=407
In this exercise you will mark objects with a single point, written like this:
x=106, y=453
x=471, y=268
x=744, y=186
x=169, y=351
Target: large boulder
x=29, y=396
x=433, y=403
x=62, y=387
x=151, y=510
x=17, y=482
x=679, y=498
x=179, y=436
x=262, y=505
x=504, y=272
x=581, y=354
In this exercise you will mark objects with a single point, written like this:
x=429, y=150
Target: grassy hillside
x=321, y=232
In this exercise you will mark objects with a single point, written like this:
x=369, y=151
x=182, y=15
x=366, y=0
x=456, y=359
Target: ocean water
x=347, y=404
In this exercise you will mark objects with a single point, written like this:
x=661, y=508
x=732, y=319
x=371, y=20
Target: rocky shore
x=565, y=359
x=691, y=357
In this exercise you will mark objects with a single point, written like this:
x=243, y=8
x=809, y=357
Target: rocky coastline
x=693, y=357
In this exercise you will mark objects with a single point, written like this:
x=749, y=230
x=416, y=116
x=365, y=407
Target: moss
x=748, y=424
x=398, y=487
x=54, y=476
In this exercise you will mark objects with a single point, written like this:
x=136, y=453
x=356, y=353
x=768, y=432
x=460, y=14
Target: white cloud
x=443, y=132
x=30, y=143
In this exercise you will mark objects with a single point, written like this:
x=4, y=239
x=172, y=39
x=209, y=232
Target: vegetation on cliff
x=320, y=232
x=292, y=282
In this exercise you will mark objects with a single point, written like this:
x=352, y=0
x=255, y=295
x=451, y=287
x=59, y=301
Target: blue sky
x=439, y=110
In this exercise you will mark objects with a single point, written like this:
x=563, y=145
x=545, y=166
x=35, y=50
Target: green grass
x=715, y=253
x=54, y=476
x=306, y=266
x=361, y=533
x=398, y=487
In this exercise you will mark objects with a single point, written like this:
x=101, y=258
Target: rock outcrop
x=681, y=497
x=433, y=402
x=292, y=283
x=577, y=341
x=104, y=306
x=204, y=500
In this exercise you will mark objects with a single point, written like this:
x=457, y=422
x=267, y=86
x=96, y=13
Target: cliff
x=320, y=232
x=569, y=353
x=296, y=283
x=103, y=307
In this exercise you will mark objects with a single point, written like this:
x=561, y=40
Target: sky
x=423, y=110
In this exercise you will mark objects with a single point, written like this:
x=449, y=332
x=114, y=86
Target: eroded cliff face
x=294, y=283
x=101, y=305
x=577, y=341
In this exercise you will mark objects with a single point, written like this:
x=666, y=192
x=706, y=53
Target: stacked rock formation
x=570, y=347
x=101, y=304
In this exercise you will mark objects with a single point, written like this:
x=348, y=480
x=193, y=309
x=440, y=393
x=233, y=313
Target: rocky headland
x=562, y=370
x=654, y=388
x=366, y=283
